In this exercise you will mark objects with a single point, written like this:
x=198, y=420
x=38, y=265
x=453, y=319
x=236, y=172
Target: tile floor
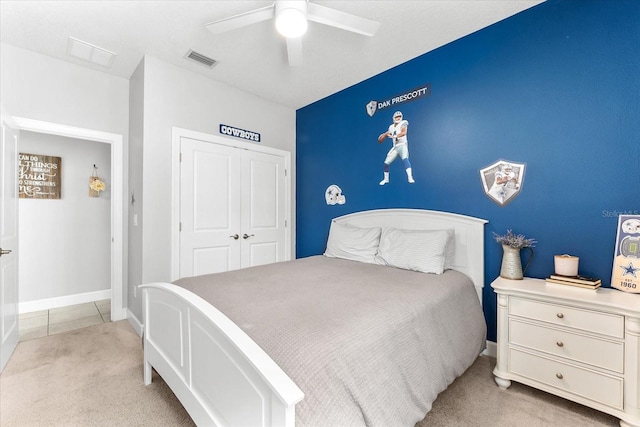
x=49, y=322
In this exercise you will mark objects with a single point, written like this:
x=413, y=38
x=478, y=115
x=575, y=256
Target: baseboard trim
x=57, y=302
x=135, y=323
x=491, y=350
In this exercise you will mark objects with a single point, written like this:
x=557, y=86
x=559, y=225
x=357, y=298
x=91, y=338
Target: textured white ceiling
x=251, y=58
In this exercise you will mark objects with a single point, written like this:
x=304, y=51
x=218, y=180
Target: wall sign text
x=239, y=133
x=39, y=176
x=410, y=95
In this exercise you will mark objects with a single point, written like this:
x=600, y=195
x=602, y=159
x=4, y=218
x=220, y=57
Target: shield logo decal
x=371, y=108
x=502, y=181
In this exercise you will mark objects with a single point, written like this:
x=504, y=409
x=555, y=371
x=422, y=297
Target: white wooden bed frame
x=224, y=378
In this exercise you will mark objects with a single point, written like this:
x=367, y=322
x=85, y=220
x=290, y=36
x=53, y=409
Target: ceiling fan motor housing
x=291, y=17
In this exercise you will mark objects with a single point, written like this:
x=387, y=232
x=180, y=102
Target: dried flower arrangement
x=97, y=185
x=517, y=241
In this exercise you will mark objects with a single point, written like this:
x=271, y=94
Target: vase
x=512, y=264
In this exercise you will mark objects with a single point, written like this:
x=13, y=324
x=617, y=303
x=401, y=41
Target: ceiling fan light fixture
x=291, y=22
x=291, y=19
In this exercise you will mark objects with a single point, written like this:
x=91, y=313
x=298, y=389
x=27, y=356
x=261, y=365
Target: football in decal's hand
x=382, y=137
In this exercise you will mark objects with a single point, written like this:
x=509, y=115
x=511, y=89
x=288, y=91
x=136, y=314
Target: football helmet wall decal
x=333, y=195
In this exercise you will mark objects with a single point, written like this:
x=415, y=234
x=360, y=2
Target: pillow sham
x=353, y=243
x=417, y=250
x=450, y=250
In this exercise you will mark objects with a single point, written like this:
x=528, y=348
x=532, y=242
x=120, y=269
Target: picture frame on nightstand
x=625, y=275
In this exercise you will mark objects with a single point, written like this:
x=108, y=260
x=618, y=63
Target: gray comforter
x=367, y=344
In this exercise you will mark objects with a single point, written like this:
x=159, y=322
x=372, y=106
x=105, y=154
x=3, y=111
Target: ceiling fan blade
x=342, y=20
x=241, y=20
x=294, y=51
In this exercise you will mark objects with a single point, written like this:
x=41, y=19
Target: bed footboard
x=219, y=374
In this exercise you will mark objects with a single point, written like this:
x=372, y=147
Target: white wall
x=65, y=246
x=177, y=97
x=39, y=87
x=136, y=111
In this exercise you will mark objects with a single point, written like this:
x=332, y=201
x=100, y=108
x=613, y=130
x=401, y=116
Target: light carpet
x=93, y=377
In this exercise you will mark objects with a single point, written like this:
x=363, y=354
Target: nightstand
x=580, y=344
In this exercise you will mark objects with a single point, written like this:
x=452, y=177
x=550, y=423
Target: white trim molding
x=118, y=208
x=56, y=302
x=491, y=350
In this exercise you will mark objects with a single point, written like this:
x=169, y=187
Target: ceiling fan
x=291, y=18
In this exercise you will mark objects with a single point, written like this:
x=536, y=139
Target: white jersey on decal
x=395, y=129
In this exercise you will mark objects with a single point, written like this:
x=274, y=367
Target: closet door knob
x=5, y=251
x=246, y=236
x=559, y=376
x=560, y=315
x=560, y=344
x=235, y=236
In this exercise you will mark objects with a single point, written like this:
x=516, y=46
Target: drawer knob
x=560, y=315
x=559, y=376
x=560, y=344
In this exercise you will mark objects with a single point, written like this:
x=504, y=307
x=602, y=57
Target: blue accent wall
x=556, y=87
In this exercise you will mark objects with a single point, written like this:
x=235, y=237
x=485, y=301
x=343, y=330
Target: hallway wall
x=64, y=246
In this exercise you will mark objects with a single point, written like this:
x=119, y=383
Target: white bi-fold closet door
x=232, y=207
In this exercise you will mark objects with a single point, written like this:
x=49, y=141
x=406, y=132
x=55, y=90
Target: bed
x=330, y=339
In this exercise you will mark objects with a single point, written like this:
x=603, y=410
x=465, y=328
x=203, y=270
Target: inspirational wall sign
x=39, y=176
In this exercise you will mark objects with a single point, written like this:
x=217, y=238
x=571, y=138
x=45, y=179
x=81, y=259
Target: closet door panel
x=233, y=202
x=210, y=208
x=263, y=207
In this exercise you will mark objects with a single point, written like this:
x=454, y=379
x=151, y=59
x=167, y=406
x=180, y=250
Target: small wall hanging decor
x=502, y=181
x=333, y=195
x=39, y=176
x=95, y=183
x=626, y=262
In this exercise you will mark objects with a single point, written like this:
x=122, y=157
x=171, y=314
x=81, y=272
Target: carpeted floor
x=474, y=400
x=86, y=377
x=93, y=377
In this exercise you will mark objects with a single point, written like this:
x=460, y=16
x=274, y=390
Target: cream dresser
x=580, y=344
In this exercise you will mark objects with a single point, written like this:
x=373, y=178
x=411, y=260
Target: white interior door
x=8, y=243
x=210, y=208
x=233, y=207
x=263, y=207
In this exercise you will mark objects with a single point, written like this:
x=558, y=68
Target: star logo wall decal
x=629, y=270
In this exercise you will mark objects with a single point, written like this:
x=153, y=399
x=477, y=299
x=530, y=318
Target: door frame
x=9, y=310
x=176, y=136
x=118, y=310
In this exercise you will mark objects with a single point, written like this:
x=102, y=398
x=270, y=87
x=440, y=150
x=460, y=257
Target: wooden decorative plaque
x=39, y=176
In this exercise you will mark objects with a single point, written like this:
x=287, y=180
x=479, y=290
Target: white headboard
x=469, y=232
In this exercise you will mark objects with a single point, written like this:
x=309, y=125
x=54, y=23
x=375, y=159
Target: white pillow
x=417, y=250
x=354, y=243
x=450, y=250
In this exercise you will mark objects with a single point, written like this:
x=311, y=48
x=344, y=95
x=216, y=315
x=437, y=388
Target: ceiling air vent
x=201, y=59
x=89, y=52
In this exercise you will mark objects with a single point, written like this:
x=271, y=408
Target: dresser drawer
x=594, y=351
x=586, y=320
x=577, y=381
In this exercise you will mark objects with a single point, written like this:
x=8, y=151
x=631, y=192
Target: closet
x=233, y=206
